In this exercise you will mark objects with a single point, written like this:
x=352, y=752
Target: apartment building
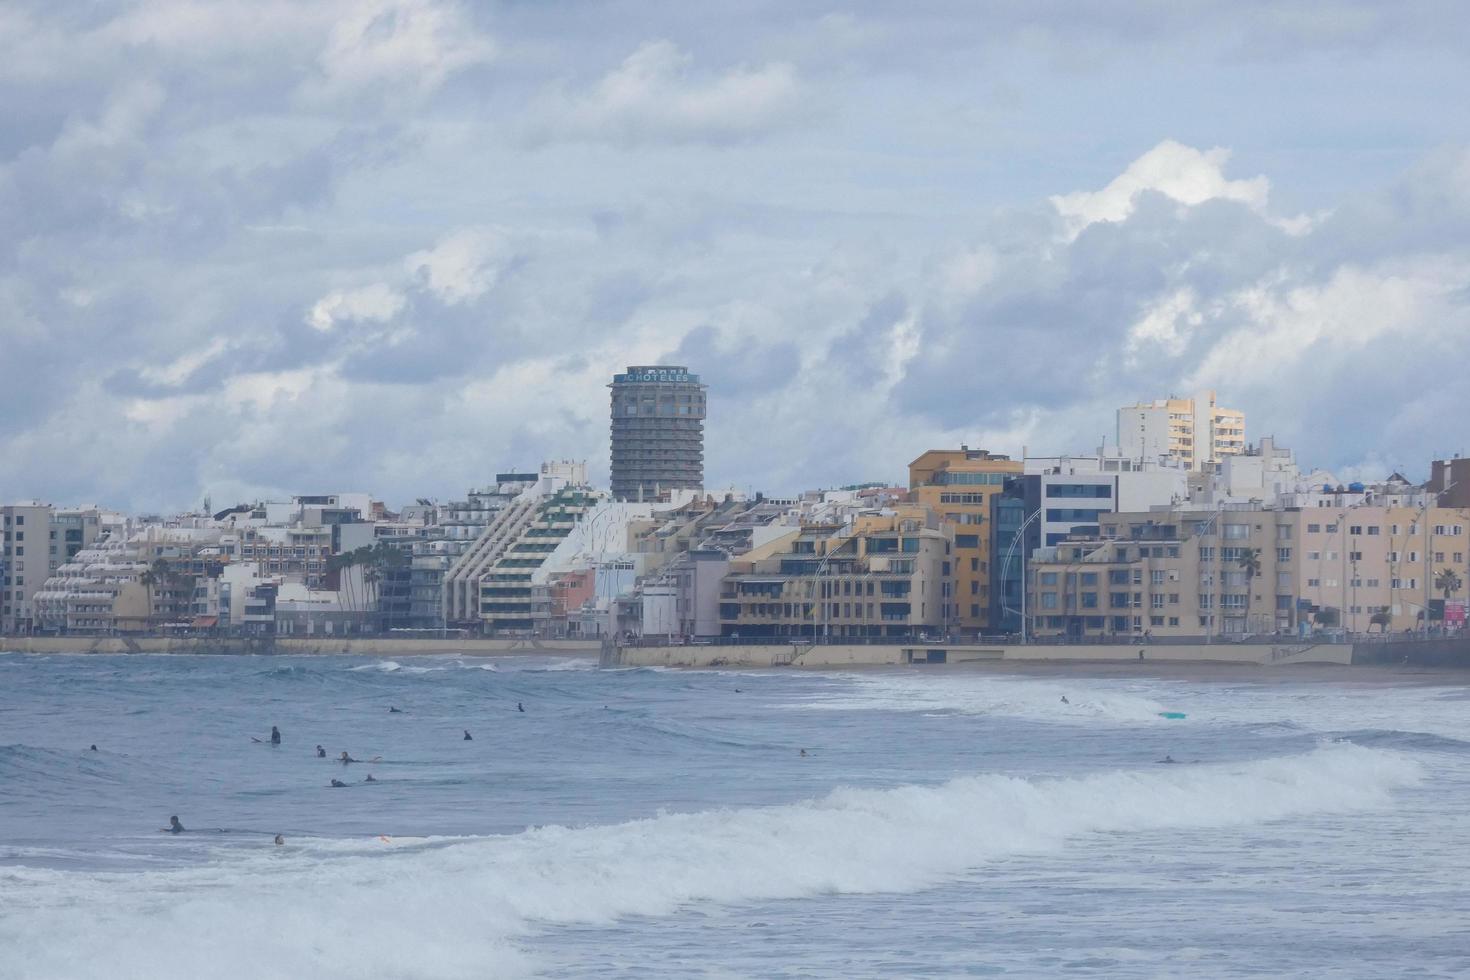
x=1367, y=568
x=1168, y=573
x=958, y=485
x=25, y=542
x=1195, y=431
x=884, y=575
x=510, y=598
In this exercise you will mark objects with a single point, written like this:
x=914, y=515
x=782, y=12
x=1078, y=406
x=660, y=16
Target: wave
x=457, y=909
x=1006, y=697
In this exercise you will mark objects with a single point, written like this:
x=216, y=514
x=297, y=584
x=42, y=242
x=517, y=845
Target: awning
x=205, y=622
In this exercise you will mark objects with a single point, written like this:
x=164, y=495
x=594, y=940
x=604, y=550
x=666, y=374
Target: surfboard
x=1171, y=714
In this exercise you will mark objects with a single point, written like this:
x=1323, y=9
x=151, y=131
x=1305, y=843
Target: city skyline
x=412, y=237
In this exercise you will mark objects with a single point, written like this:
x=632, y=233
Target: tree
x=151, y=578
x=1250, y=563
x=1447, y=582
x=1381, y=620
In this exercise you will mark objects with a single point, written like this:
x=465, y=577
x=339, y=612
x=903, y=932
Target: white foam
x=1008, y=697
x=455, y=910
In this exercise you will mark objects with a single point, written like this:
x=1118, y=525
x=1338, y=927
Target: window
x=974, y=564
x=1372, y=530
x=1156, y=620
x=1048, y=578
x=1283, y=554
x=1439, y=556
x=1314, y=528
x=1313, y=583
x=1355, y=529
x=1118, y=576
x=1236, y=532
x=1173, y=620
x=1156, y=577
x=1089, y=600
x=1119, y=600
x=1089, y=578
x=967, y=540
x=1173, y=598
x=1048, y=600
x=1156, y=601
x=1332, y=529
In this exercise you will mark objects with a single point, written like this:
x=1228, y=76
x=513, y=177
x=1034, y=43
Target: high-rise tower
x=657, y=431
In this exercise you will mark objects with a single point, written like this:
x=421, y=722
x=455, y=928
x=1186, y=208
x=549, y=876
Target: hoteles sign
x=664, y=375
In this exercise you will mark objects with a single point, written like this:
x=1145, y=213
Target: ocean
x=663, y=823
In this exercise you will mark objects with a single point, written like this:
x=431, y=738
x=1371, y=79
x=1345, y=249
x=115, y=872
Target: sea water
x=661, y=823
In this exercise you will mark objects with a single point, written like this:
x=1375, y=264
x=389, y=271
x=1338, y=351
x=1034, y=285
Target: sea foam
x=456, y=909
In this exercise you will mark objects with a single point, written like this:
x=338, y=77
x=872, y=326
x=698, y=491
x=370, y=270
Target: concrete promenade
x=375, y=646
x=838, y=655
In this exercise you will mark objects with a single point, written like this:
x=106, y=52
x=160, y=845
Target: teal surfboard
x=1171, y=714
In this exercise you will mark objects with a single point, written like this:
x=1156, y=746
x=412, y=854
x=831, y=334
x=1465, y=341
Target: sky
x=250, y=248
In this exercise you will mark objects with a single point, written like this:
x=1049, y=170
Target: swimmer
x=174, y=827
x=345, y=758
x=321, y=753
x=467, y=736
x=370, y=779
x=338, y=784
x=275, y=735
x=520, y=707
x=394, y=711
x=280, y=839
x=1064, y=700
x=803, y=753
x=92, y=749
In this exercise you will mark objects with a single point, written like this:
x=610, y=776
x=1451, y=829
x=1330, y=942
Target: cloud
x=653, y=96
x=401, y=49
x=463, y=266
x=1180, y=173
x=377, y=303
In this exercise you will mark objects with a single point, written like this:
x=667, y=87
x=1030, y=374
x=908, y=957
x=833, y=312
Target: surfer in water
x=338, y=784
x=1064, y=700
x=467, y=737
x=275, y=735
x=370, y=779
x=280, y=840
x=321, y=753
x=174, y=827
x=520, y=707
x=394, y=711
x=1168, y=760
x=93, y=748
x=345, y=758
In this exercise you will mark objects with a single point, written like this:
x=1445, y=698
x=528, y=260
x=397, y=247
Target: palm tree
x=149, y=579
x=1447, y=582
x=1250, y=563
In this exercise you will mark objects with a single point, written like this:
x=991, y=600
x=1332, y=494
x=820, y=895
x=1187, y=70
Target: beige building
x=1169, y=574
x=1247, y=570
x=884, y=575
x=1195, y=431
x=1370, y=569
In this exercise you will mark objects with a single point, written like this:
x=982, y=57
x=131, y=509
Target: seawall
x=358, y=646
x=838, y=655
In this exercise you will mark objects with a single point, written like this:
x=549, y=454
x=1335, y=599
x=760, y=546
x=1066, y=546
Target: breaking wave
x=457, y=909
x=1028, y=699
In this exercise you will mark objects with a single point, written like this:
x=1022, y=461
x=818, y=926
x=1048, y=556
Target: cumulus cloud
x=397, y=48
x=654, y=96
x=463, y=266
x=376, y=303
x=1180, y=173
x=313, y=227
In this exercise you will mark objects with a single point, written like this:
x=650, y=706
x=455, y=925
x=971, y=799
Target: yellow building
x=1194, y=431
x=957, y=484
